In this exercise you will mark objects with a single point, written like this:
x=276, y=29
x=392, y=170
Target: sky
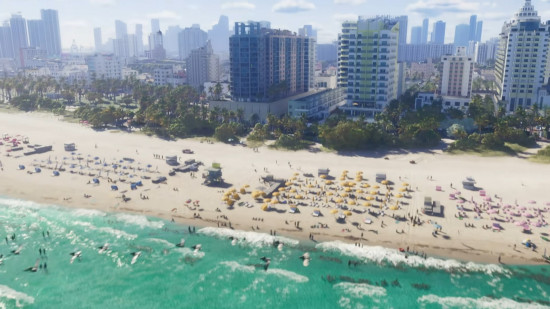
x=79, y=17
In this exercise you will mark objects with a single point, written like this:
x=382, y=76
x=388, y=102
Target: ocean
x=228, y=271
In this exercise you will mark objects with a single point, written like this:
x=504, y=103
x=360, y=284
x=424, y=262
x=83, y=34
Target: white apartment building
x=102, y=66
x=456, y=80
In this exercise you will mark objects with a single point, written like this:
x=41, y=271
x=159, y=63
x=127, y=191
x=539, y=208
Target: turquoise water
x=224, y=275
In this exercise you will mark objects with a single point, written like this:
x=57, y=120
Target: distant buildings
x=522, y=64
x=461, y=35
x=327, y=52
x=367, y=64
x=416, y=35
x=202, y=66
x=439, y=32
x=120, y=44
x=219, y=35
x=189, y=39
x=267, y=64
x=98, y=40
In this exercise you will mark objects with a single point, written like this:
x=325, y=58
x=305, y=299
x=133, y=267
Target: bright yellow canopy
x=334, y=211
x=323, y=176
x=347, y=213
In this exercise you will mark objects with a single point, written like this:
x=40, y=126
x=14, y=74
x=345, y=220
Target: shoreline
x=519, y=179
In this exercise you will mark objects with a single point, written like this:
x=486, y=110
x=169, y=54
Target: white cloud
x=164, y=15
x=352, y=2
x=345, y=17
x=103, y=2
x=293, y=6
x=238, y=5
x=434, y=8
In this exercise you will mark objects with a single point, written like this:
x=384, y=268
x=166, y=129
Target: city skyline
x=78, y=21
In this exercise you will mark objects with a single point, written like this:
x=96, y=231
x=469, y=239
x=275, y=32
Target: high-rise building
x=156, y=46
x=416, y=35
x=456, y=79
x=486, y=52
x=6, y=44
x=37, y=35
x=50, y=19
x=327, y=52
x=521, y=69
x=403, y=29
x=189, y=39
x=121, y=47
x=308, y=31
x=219, y=35
x=18, y=27
x=171, y=40
x=479, y=30
x=472, y=28
x=371, y=75
x=104, y=67
x=268, y=64
x=139, y=39
x=98, y=40
x=439, y=32
x=425, y=25
x=202, y=66
x=423, y=52
x=155, y=25
x=461, y=35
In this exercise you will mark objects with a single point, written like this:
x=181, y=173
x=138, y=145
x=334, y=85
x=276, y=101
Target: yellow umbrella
x=246, y=186
x=310, y=186
x=374, y=192
x=345, y=171
x=281, y=189
x=230, y=202
x=267, y=200
x=342, y=178
x=292, y=190
x=405, y=184
x=296, y=174
x=330, y=193
x=370, y=198
x=403, y=189
x=384, y=182
x=236, y=196
x=399, y=195
x=394, y=207
x=276, y=194
x=344, y=195
x=351, y=183
x=347, y=190
x=274, y=201
x=376, y=186
x=334, y=211
x=323, y=176
x=299, y=197
x=243, y=191
x=293, y=178
x=232, y=190
x=347, y=213
x=225, y=198
x=358, y=178
x=264, y=207
x=358, y=191
x=352, y=202
x=339, y=200
x=366, y=204
x=288, y=183
x=328, y=182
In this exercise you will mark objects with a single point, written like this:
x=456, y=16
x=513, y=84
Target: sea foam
x=287, y=274
x=359, y=290
x=483, y=302
x=109, y=230
x=19, y=297
x=379, y=255
x=247, y=238
x=140, y=221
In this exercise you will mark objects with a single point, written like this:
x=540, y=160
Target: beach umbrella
x=370, y=198
x=265, y=207
x=299, y=197
x=399, y=195
x=405, y=184
x=352, y=202
x=293, y=178
x=403, y=190
x=267, y=200
x=342, y=178
x=365, y=185
x=344, y=195
x=339, y=200
x=292, y=190
x=243, y=191
x=347, y=190
x=225, y=198
x=323, y=176
x=532, y=202
x=376, y=186
x=274, y=201
x=281, y=189
x=394, y=207
x=246, y=186
x=296, y=174
x=334, y=211
x=310, y=186
x=275, y=194
x=288, y=183
x=330, y=193
x=328, y=182
x=358, y=191
x=384, y=182
x=236, y=196
x=348, y=213
x=366, y=204
x=373, y=192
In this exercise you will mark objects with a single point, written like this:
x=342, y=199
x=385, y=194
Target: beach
x=506, y=180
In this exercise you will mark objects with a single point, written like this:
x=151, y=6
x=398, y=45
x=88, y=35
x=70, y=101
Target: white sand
x=510, y=178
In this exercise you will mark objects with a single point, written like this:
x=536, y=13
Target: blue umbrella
x=21, y=167
x=95, y=180
x=37, y=169
x=55, y=173
x=114, y=188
